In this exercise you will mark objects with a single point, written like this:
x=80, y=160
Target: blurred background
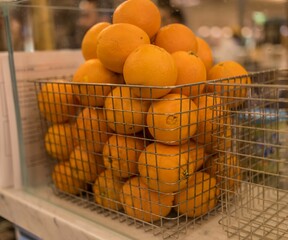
x=252, y=32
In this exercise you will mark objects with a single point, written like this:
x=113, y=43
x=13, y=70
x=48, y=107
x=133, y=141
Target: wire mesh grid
x=136, y=159
x=167, y=163
x=258, y=207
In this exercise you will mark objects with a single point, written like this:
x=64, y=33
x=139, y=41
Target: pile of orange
x=140, y=120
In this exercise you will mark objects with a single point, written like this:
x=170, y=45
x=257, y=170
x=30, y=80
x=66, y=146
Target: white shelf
x=50, y=217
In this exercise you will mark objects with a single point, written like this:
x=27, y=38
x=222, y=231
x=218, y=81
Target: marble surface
x=50, y=217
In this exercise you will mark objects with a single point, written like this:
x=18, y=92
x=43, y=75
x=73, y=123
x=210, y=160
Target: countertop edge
x=49, y=221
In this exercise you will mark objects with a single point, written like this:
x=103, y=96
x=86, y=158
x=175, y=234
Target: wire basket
x=167, y=163
x=139, y=160
x=258, y=208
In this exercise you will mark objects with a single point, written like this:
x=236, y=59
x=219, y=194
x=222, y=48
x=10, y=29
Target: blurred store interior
x=252, y=32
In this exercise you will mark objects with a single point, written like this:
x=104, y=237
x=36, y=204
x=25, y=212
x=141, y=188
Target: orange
x=56, y=101
x=199, y=197
x=93, y=71
x=75, y=133
x=196, y=153
x=59, y=141
x=88, y=46
x=144, y=204
x=191, y=70
x=149, y=65
x=124, y=112
x=85, y=165
x=92, y=129
x=116, y=42
x=176, y=37
x=165, y=168
x=107, y=188
x=222, y=139
x=64, y=181
x=210, y=118
x=204, y=52
x=120, y=154
x=234, y=94
x=225, y=169
x=172, y=119
x=142, y=13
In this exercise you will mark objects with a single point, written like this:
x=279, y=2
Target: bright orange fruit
x=116, y=42
x=172, y=119
x=121, y=153
x=204, y=51
x=89, y=46
x=166, y=168
x=142, y=13
x=85, y=165
x=176, y=37
x=199, y=197
x=143, y=203
x=125, y=113
x=235, y=93
x=191, y=70
x=210, y=118
x=64, y=181
x=93, y=71
x=59, y=141
x=92, y=129
x=149, y=65
x=56, y=101
x=107, y=189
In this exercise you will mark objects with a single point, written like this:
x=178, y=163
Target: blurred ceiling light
x=204, y=31
x=259, y=18
x=272, y=1
x=216, y=32
x=246, y=32
x=284, y=30
x=184, y=3
x=227, y=32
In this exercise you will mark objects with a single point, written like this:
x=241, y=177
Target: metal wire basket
x=165, y=164
x=139, y=160
x=258, y=208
